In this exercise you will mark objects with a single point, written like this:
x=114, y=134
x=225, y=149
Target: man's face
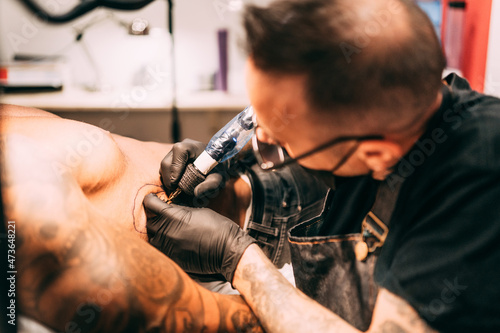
x=284, y=118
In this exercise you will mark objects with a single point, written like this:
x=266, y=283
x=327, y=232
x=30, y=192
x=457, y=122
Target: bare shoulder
x=9, y=110
x=30, y=178
x=88, y=153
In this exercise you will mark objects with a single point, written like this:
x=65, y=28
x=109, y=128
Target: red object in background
x=453, y=40
x=475, y=39
x=3, y=73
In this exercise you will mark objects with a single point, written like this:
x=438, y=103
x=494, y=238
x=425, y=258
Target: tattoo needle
x=173, y=195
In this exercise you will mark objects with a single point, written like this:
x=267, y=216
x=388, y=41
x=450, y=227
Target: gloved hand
x=183, y=153
x=198, y=239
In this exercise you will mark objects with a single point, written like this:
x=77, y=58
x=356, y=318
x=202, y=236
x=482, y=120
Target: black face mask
x=327, y=177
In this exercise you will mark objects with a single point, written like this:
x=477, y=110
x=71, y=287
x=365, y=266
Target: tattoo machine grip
x=190, y=179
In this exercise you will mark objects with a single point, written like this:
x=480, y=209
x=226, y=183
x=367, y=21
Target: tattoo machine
x=225, y=144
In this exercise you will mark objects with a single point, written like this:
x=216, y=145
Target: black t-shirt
x=442, y=253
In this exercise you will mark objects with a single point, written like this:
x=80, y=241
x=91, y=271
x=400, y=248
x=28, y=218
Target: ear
x=379, y=156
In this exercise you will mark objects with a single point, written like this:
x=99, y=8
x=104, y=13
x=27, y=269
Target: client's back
x=75, y=193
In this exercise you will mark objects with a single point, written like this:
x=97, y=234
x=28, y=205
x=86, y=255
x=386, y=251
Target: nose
x=263, y=137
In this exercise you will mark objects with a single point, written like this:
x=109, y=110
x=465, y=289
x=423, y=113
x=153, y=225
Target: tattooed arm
x=79, y=273
x=282, y=308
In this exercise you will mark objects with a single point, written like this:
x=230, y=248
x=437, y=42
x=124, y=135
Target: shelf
x=134, y=100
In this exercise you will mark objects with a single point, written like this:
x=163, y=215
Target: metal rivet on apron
x=361, y=251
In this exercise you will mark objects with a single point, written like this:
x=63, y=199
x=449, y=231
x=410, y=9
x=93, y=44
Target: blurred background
x=116, y=68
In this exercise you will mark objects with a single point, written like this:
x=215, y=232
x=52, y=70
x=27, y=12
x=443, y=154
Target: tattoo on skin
x=49, y=230
x=86, y=318
x=150, y=279
x=405, y=311
x=274, y=299
x=390, y=327
x=244, y=321
x=83, y=274
x=89, y=251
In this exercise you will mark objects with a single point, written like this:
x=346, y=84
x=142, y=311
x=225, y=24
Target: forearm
x=279, y=306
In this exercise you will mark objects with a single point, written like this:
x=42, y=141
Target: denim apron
x=337, y=271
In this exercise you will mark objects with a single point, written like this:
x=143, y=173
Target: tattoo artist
x=407, y=236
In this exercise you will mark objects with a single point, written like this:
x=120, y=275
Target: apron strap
x=385, y=201
x=375, y=226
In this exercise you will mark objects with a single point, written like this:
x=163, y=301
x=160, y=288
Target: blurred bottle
x=454, y=35
x=221, y=75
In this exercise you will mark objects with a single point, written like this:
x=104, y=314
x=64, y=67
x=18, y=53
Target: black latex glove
x=183, y=153
x=197, y=239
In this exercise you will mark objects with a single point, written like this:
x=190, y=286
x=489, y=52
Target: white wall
x=121, y=57
x=492, y=81
x=196, y=23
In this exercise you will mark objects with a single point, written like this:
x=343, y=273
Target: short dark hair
x=323, y=39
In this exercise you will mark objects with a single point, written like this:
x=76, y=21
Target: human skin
x=75, y=194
